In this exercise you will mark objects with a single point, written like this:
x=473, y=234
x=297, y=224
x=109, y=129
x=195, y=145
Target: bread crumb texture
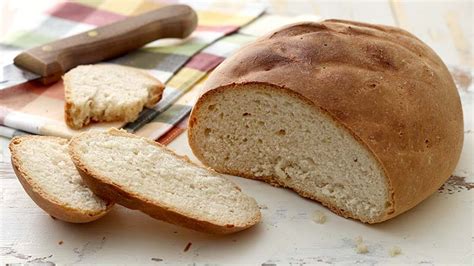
x=157, y=175
x=265, y=133
x=46, y=163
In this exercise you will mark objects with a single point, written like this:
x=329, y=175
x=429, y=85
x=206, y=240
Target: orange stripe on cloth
x=174, y=132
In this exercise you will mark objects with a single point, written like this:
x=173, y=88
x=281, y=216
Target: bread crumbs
x=319, y=217
x=361, y=248
x=395, y=251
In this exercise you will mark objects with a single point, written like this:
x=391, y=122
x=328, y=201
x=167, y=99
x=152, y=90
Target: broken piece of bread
x=107, y=92
x=141, y=174
x=46, y=172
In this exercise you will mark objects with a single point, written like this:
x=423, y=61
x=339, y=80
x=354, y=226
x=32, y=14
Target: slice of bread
x=46, y=172
x=141, y=174
x=108, y=92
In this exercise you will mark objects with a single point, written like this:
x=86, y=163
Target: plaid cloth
x=39, y=109
x=173, y=122
x=188, y=90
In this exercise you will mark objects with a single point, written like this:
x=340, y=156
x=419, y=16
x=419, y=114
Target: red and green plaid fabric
x=173, y=121
x=187, y=90
x=180, y=65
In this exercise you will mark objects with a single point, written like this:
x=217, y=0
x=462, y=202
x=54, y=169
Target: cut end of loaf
x=48, y=175
x=265, y=132
x=141, y=174
x=106, y=93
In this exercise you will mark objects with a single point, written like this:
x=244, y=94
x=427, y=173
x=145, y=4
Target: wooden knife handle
x=52, y=60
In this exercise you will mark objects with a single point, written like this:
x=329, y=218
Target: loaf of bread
x=106, y=93
x=363, y=118
x=141, y=174
x=46, y=172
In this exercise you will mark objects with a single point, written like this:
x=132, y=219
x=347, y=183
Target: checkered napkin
x=188, y=82
x=168, y=125
x=181, y=65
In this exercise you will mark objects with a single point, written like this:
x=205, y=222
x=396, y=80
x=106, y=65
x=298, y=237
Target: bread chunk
x=364, y=118
x=106, y=92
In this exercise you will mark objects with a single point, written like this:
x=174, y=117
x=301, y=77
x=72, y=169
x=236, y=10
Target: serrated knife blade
x=13, y=75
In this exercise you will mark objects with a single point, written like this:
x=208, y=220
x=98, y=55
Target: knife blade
x=13, y=75
x=49, y=62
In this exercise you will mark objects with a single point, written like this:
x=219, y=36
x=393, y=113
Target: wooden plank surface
x=445, y=26
x=437, y=231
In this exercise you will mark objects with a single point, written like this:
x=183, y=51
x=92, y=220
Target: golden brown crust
x=155, y=96
x=41, y=198
x=102, y=187
x=389, y=89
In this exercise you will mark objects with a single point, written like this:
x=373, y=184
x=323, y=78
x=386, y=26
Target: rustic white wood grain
x=428, y=21
x=438, y=231
x=431, y=233
x=370, y=11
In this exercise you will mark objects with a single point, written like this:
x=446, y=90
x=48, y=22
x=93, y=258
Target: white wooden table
x=438, y=231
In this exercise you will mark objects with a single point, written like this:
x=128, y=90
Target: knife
x=49, y=62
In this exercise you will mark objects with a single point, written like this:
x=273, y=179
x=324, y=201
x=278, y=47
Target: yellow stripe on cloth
x=214, y=18
x=125, y=7
x=147, y=6
x=185, y=78
x=92, y=3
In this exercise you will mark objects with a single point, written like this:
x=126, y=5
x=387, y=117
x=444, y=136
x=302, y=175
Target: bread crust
x=385, y=86
x=42, y=199
x=155, y=96
x=116, y=193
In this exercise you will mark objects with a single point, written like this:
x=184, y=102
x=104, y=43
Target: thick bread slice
x=141, y=174
x=46, y=172
x=363, y=118
x=108, y=92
